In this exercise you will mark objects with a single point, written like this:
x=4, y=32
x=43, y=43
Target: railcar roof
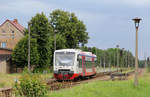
x=76, y=50
x=87, y=54
x=68, y=50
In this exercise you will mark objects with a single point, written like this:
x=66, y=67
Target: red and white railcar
x=70, y=64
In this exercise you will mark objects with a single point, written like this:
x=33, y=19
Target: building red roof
x=16, y=24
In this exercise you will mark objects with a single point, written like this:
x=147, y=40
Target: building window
x=13, y=32
x=3, y=44
x=13, y=36
x=3, y=30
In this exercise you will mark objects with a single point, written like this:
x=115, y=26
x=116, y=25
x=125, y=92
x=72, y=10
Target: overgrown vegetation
x=7, y=80
x=30, y=85
x=108, y=89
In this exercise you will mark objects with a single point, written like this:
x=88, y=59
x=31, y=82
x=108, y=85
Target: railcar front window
x=64, y=59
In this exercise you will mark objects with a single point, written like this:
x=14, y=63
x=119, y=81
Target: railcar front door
x=83, y=66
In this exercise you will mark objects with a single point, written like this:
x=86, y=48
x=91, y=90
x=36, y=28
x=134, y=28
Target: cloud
x=26, y=6
x=116, y=2
x=23, y=10
x=127, y=2
x=138, y=2
x=108, y=21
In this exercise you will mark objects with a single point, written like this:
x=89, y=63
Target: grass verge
x=108, y=89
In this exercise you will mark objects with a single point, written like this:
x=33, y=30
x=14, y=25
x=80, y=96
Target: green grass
x=7, y=80
x=107, y=89
x=93, y=89
x=148, y=68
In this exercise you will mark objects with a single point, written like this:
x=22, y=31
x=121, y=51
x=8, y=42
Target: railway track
x=56, y=85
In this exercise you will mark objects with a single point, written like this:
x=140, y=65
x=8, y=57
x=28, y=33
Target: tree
x=84, y=48
x=41, y=30
x=68, y=25
x=60, y=44
x=20, y=53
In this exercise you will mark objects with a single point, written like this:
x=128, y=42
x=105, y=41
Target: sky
x=109, y=22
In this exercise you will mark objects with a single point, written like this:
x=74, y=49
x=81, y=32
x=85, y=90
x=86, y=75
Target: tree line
x=112, y=57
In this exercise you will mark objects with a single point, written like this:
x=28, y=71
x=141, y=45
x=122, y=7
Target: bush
x=30, y=85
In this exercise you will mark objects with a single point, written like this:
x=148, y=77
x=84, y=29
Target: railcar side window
x=88, y=62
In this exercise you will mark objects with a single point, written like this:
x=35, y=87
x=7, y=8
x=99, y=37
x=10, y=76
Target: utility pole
x=104, y=61
x=123, y=57
x=29, y=46
x=136, y=21
x=128, y=59
x=136, y=59
x=148, y=59
x=126, y=65
x=110, y=62
x=117, y=57
x=97, y=57
x=99, y=61
x=114, y=60
x=54, y=39
x=145, y=60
